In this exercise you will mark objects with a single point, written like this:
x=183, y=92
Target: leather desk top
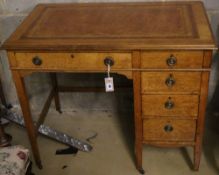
x=114, y=26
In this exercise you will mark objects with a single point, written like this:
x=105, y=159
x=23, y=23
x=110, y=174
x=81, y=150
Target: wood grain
x=169, y=144
x=54, y=82
x=12, y=59
x=140, y=37
x=45, y=110
x=201, y=119
x=24, y=102
x=155, y=82
x=185, y=106
x=74, y=61
x=183, y=130
x=114, y=26
x=184, y=59
x=137, y=109
x=207, y=59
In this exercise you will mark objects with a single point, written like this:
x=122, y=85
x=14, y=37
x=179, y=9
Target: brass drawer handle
x=168, y=128
x=109, y=61
x=169, y=104
x=170, y=81
x=37, y=61
x=171, y=61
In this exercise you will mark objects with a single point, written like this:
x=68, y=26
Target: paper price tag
x=109, y=86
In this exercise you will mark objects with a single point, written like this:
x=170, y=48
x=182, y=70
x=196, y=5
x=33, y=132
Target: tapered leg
x=197, y=156
x=136, y=75
x=56, y=96
x=138, y=122
x=138, y=154
x=21, y=92
x=201, y=119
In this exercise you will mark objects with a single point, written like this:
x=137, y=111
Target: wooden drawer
x=170, y=82
x=170, y=105
x=173, y=59
x=73, y=61
x=169, y=129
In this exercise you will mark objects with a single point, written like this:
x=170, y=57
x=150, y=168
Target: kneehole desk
x=164, y=47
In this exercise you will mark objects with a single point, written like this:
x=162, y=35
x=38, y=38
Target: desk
x=164, y=47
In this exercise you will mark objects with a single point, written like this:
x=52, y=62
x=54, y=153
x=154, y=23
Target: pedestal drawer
x=170, y=105
x=169, y=129
x=73, y=61
x=170, y=82
x=171, y=59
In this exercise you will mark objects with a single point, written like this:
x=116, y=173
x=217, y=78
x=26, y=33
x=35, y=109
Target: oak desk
x=166, y=48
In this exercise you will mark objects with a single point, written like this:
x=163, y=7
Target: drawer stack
x=170, y=88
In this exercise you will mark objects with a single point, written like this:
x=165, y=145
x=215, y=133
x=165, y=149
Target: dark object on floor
x=69, y=150
x=29, y=169
x=2, y=97
x=5, y=139
x=64, y=166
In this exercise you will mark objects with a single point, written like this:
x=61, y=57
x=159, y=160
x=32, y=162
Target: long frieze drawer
x=175, y=59
x=170, y=105
x=170, y=82
x=73, y=61
x=169, y=129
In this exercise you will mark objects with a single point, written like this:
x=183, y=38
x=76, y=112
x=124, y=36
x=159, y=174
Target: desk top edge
x=16, y=42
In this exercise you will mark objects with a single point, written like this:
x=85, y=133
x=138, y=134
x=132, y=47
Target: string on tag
x=108, y=70
x=109, y=86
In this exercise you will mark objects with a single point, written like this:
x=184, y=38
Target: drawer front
x=170, y=105
x=73, y=61
x=169, y=130
x=170, y=82
x=175, y=59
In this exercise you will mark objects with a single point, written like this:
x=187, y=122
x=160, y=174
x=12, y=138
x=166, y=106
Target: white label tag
x=109, y=86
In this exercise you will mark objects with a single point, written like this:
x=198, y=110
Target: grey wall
x=12, y=12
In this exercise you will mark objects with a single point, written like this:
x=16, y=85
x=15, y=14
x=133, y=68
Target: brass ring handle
x=170, y=81
x=109, y=61
x=169, y=104
x=168, y=128
x=171, y=61
x=37, y=61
